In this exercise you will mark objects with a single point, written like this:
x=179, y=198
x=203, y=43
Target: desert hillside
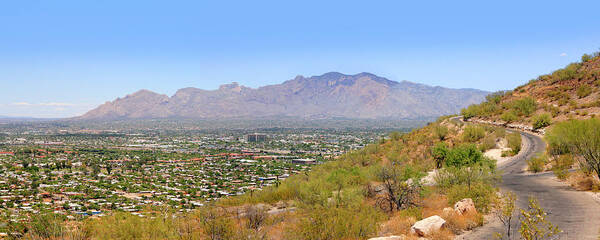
x=572, y=92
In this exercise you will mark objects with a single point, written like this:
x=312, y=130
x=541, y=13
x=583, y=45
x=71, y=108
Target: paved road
x=576, y=213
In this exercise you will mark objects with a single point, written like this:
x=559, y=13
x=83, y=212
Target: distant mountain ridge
x=330, y=95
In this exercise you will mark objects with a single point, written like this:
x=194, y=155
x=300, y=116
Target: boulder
x=448, y=211
x=427, y=225
x=465, y=206
x=402, y=237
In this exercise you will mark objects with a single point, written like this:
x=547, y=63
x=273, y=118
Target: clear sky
x=62, y=58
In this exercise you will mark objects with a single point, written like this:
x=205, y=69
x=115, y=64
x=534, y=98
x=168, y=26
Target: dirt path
x=576, y=213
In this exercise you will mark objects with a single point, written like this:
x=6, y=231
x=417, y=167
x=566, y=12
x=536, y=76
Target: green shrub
x=483, y=195
x=470, y=111
x=466, y=155
x=441, y=132
x=499, y=132
x=121, y=225
x=537, y=163
x=561, y=165
x=488, y=143
x=584, y=90
x=514, y=142
x=580, y=137
x=509, y=116
x=473, y=133
x=566, y=73
x=356, y=221
x=439, y=152
x=524, y=106
x=541, y=121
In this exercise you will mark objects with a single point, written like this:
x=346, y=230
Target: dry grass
x=397, y=225
x=442, y=234
x=457, y=223
x=583, y=182
x=434, y=205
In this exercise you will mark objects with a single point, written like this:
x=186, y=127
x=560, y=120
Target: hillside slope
x=330, y=95
x=569, y=93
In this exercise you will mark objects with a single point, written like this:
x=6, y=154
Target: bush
x=509, y=116
x=541, y=121
x=537, y=163
x=580, y=137
x=584, y=91
x=524, y=106
x=514, y=142
x=500, y=132
x=439, y=152
x=473, y=133
x=441, y=132
x=488, y=143
x=470, y=111
x=483, y=195
x=126, y=226
x=358, y=221
x=466, y=155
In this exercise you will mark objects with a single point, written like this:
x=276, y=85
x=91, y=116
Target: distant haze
x=331, y=95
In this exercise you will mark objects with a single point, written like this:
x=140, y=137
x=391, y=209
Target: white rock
x=427, y=225
x=465, y=206
x=448, y=211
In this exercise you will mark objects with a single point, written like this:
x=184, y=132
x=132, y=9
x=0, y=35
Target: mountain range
x=330, y=95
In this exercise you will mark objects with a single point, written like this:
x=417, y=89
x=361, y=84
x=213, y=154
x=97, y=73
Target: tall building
x=256, y=137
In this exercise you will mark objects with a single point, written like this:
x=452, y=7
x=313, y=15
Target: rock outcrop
x=428, y=225
x=465, y=206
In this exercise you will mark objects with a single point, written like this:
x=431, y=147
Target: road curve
x=576, y=213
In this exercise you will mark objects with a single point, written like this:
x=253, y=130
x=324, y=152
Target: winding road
x=576, y=213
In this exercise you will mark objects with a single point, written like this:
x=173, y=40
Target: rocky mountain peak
x=332, y=94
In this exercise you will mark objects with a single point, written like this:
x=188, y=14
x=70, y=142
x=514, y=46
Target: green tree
x=580, y=137
x=439, y=152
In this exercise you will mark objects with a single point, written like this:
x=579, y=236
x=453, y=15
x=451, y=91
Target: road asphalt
x=576, y=213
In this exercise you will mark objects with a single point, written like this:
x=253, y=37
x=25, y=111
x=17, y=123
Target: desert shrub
x=470, y=111
x=483, y=195
x=439, y=152
x=395, y=136
x=537, y=163
x=126, y=226
x=524, y=106
x=565, y=161
x=541, y=121
x=466, y=155
x=586, y=57
x=255, y=217
x=514, y=142
x=580, y=137
x=358, y=221
x=584, y=90
x=499, y=132
x=509, y=116
x=534, y=224
x=44, y=225
x=488, y=142
x=457, y=223
x=566, y=73
x=441, y=132
x=473, y=133
x=398, y=193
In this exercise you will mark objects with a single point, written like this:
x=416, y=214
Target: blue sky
x=62, y=58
